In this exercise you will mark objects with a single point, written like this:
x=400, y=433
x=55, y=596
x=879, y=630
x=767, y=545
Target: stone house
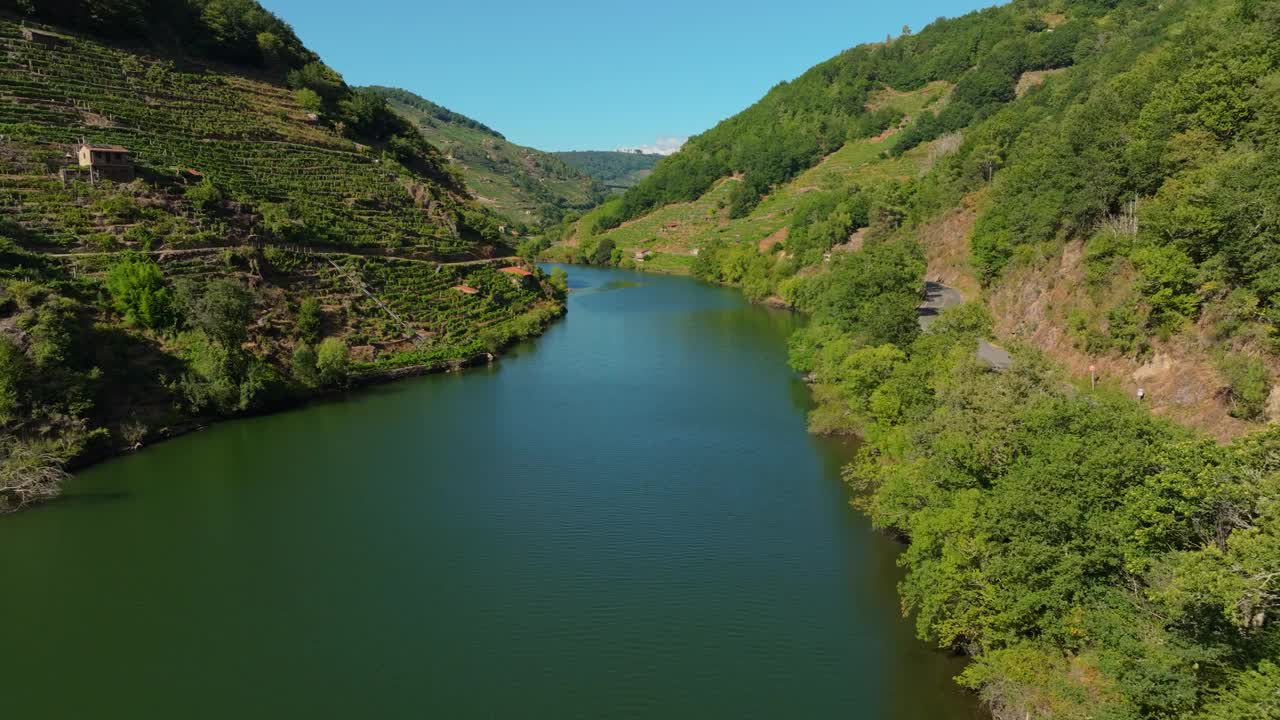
x=108, y=162
x=40, y=37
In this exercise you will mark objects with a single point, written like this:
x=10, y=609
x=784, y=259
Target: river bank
x=359, y=380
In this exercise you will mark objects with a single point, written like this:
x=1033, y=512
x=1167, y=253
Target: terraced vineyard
x=264, y=251
x=249, y=136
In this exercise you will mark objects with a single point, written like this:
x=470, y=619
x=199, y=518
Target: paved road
x=939, y=297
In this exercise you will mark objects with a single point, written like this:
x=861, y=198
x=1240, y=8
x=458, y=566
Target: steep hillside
x=247, y=234
x=1101, y=181
x=674, y=232
x=526, y=186
x=616, y=170
x=1018, y=138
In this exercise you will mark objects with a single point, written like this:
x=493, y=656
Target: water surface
x=624, y=519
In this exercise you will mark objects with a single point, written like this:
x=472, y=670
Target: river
x=624, y=518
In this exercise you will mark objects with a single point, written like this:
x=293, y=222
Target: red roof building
x=516, y=271
x=465, y=289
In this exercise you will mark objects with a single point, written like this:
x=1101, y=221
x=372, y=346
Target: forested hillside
x=1100, y=179
x=252, y=232
x=616, y=169
x=523, y=185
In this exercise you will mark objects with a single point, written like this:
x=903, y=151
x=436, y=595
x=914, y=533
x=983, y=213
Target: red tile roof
x=107, y=148
x=516, y=271
x=467, y=289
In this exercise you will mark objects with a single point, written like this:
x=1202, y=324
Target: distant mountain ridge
x=618, y=169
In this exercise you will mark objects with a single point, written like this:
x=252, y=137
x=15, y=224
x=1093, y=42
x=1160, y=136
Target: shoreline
x=355, y=383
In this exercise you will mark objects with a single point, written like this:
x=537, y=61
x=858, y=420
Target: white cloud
x=662, y=146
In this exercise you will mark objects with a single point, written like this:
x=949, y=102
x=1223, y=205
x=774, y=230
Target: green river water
x=624, y=518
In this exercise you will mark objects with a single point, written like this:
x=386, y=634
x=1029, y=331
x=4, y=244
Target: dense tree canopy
x=238, y=31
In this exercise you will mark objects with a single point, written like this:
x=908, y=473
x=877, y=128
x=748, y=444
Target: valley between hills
x=200, y=220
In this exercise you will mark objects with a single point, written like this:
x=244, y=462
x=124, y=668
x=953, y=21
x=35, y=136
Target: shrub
x=1248, y=385
x=119, y=208
x=204, y=196
x=559, y=281
x=333, y=362
x=53, y=331
x=1167, y=279
x=308, y=99
x=139, y=293
x=304, y=365
x=310, y=319
x=13, y=366
x=140, y=235
x=212, y=378
x=282, y=260
x=30, y=472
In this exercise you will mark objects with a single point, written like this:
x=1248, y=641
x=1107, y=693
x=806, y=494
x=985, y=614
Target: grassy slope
x=674, y=232
x=338, y=207
x=524, y=185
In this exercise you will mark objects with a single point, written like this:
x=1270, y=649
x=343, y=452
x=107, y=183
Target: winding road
x=939, y=297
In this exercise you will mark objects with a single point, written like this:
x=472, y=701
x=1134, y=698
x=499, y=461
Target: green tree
x=333, y=362
x=304, y=364
x=876, y=292
x=1167, y=279
x=308, y=99
x=559, y=280
x=603, y=252
x=138, y=292
x=222, y=309
x=1254, y=695
x=1248, y=384
x=310, y=320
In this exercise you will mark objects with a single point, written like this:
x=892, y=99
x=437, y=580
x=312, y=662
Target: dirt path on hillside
x=317, y=250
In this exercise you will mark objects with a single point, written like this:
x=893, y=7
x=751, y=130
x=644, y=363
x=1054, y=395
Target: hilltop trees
x=234, y=30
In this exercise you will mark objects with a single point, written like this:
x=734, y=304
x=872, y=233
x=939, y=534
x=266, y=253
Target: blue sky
x=576, y=75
